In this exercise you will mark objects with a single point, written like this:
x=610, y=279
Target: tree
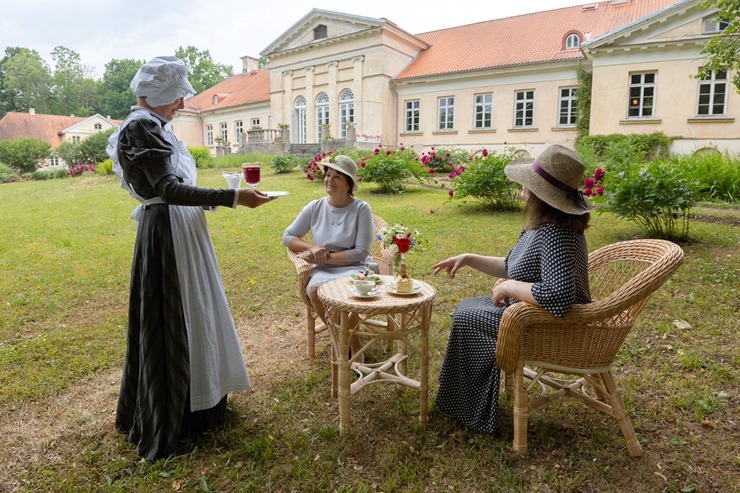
x=6, y=103
x=26, y=81
x=92, y=149
x=68, y=82
x=114, y=92
x=724, y=48
x=202, y=72
x=24, y=154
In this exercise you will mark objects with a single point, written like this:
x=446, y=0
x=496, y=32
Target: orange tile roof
x=523, y=39
x=45, y=127
x=237, y=90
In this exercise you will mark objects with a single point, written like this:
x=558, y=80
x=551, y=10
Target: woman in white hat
x=341, y=227
x=183, y=356
x=548, y=267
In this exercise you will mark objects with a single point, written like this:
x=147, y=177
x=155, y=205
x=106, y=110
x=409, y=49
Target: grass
x=65, y=253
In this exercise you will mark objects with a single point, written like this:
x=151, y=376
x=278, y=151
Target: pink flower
x=485, y=152
x=588, y=183
x=376, y=151
x=451, y=192
x=599, y=174
x=452, y=176
x=431, y=171
x=388, y=153
x=447, y=155
x=587, y=192
x=600, y=190
x=362, y=164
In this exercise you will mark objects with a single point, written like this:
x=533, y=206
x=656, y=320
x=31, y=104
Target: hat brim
x=334, y=166
x=522, y=173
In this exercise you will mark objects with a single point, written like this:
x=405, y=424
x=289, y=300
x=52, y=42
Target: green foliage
x=444, y=160
x=583, y=101
x=202, y=156
x=285, y=163
x=202, y=71
x=392, y=170
x=53, y=174
x=7, y=174
x=717, y=175
x=26, y=81
x=105, y=167
x=656, y=196
x=484, y=180
x=24, y=154
x=114, y=94
x=723, y=48
x=68, y=90
x=92, y=149
x=69, y=151
x=625, y=147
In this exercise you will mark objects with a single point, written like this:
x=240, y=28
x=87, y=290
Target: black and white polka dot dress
x=552, y=257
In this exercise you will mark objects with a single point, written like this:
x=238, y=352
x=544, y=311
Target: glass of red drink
x=251, y=174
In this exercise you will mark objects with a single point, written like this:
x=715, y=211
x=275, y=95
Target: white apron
x=216, y=362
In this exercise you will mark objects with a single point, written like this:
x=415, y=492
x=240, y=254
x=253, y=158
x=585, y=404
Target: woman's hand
x=451, y=265
x=500, y=295
x=252, y=198
x=316, y=255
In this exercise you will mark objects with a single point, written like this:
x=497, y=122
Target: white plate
x=372, y=294
x=276, y=194
x=392, y=289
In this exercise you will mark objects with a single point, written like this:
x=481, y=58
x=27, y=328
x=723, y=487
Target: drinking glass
x=251, y=174
x=233, y=179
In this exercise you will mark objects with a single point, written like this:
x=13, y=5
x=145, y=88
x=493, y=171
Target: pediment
x=96, y=118
x=679, y=23
x=321, y=26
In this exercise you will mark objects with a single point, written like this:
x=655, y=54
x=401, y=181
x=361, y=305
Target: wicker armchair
x=313, y=324
x=536, y=345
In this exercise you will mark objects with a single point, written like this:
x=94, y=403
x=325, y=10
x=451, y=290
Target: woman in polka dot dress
x=548, y=267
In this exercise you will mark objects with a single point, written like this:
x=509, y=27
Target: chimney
x=249, y=64
x=32, y=111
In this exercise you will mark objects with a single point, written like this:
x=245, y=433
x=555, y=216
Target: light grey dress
x=340, y=229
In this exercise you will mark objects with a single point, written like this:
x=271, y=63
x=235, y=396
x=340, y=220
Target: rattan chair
x=571, y=358
x=314, y=325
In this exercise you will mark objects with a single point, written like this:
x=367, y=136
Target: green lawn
x=65, y=253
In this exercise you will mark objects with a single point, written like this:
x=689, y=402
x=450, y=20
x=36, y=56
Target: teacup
x=233, y=179
x=364, y=286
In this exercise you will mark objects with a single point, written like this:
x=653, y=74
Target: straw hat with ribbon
x=346, y=166
x=554, y=177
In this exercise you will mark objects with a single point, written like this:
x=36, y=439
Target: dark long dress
x=555, y=259
x=154, y=405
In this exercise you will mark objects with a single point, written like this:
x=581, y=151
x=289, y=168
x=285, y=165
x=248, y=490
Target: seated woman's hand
x=451, y=265
x=316, y=255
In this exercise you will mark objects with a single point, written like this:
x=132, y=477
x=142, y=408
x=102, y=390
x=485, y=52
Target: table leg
x=344, y=373
x=426, y=316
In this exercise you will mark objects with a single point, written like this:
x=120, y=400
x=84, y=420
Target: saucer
x=276, y=194
x=392, y=289
x=372, y=294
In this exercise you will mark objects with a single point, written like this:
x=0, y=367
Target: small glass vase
x=399, y=265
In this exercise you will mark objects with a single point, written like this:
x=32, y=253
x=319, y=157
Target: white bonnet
x=162, y=80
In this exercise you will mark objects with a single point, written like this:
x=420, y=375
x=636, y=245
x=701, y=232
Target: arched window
x=346, y=111
x=215, y=99
x=299, y=120
x=572, y=41
x=322, y=114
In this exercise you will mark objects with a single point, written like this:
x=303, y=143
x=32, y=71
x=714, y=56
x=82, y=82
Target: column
x=288, y=97
x=333, y=97
x=357, y=63
x=310, y=104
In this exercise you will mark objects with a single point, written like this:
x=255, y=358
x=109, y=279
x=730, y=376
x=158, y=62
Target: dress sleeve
x=365, y=235
x=300, y=226
x=144, y=146
x=556, y=292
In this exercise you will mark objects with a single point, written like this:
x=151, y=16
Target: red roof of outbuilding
x=240, y=89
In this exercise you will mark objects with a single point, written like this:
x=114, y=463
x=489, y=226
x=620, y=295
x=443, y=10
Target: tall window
x=642, y=95
x=209, y=135
x=567, y=107
x=524, y=108
x=346, y=111
x=412, y=116
x=446, y=113
x=483, y=111
x=224, y=129
x=322, y=114
x=299, y=120
x=238, y=129
x=54, y=161
x=712, y=94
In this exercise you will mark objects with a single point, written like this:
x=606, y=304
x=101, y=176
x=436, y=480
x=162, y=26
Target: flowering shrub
x=444, y=160
x=78, y=169
x=657, y=196
x=594, y=186
x=483, y=179
x=315, y=170
x=392, y=170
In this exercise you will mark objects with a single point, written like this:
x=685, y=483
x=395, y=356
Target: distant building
x=53, y=129
x=503, y=84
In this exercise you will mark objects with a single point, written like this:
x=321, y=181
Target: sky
x=102, y=30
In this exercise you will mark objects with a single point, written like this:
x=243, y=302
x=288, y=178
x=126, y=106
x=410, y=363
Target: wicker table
x=347, y=314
